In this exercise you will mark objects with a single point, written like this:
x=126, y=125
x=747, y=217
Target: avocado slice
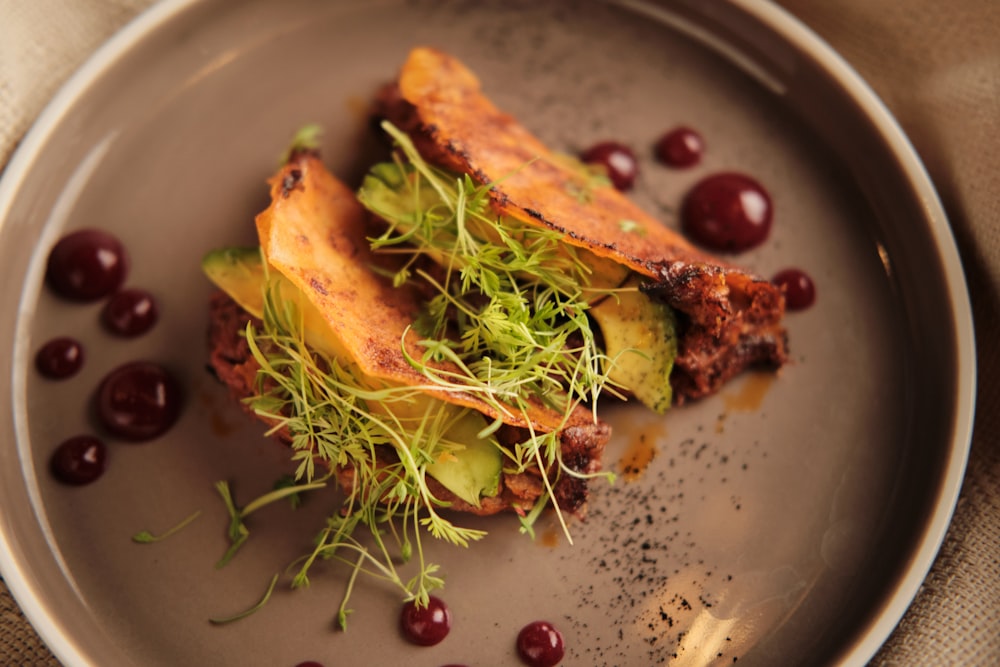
x=239, y=272
x=473, y=471
x=470, y=472
x=640, y=339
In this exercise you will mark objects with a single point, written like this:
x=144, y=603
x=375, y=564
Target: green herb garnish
x=256, y=607
x=287, y=482
x=238, y=532
x=146, y=537
x=631, y=227
x=384, y=436
x=307, y=138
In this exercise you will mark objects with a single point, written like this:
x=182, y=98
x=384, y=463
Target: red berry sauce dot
x=86, y=265
x=618, y=159
x=800, y=290
x=59, y=358
x=425, y=626
x=728, y=212
x=540, y=645
x=680, y=147
x=79, y=460
x=138, y=401
x=309, y=663
x=129, y=313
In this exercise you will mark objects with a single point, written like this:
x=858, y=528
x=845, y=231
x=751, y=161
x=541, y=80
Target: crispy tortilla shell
x=732, y=319
x=314, y=233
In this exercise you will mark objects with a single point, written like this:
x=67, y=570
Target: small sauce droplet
x=800, y=290
x=425, y=626
x=727, y=212
x=129, y=313
x=138, y=401
x=309, y=663
x=540, y=645
x=79, y=460
x=638, y=456
x=59, y=358
x=617, y=159
x=86, y=265
x=751, y=392
x=681, y=147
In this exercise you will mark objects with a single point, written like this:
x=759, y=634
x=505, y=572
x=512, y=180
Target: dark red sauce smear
x=681, y=147
x=138, y=401
x=800, y=290
x=86, y=265
x=309, y=663
x=129, y=313
x=59, y=358
x=425, y=626
x=728, y=212
x=618, y=159
x=540, y=645
x=79, y=460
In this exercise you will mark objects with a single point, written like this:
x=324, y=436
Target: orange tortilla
x=314, y=233
x=532, y=183
x=730, y=318
x=456, y=126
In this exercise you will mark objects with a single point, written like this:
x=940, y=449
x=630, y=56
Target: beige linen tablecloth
x=937, y=66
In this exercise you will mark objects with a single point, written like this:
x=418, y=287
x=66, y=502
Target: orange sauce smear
x=747, y=398
x=550, y=538
x=640, y=453
x=751, y=392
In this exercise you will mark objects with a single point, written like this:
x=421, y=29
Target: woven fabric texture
x=937, y=67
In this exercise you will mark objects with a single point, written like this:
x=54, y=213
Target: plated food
x=683, y=553
x=442, y=339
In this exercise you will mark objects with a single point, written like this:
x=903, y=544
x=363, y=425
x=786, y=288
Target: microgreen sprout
x=517, y=294
x=146, y=537
x=307, y=138
x=380, y=440
x=252, y=610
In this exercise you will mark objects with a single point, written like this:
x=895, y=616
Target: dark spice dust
x=642, y=558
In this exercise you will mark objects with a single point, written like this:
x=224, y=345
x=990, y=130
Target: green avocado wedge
x=640, y=340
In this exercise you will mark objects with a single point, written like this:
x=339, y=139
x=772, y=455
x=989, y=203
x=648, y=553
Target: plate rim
x=922, y=559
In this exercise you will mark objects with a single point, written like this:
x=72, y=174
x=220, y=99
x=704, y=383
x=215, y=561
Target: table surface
x=937, y=67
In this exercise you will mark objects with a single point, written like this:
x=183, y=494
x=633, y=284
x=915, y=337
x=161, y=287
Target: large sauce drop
x=138, y=401
x=617, y=159
x=727, y=212
x=79, y=460
x=540, y=645
x=59, y=358
x=800, y=290
x=425, y=626
x=129, y=313
x=681, y=147
x=86, y=265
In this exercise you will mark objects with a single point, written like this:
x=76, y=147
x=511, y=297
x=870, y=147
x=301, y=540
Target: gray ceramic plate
x=785, y=521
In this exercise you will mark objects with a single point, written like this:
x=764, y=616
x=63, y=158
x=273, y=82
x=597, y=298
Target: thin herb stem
x=146, y=537
x=247, y=612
